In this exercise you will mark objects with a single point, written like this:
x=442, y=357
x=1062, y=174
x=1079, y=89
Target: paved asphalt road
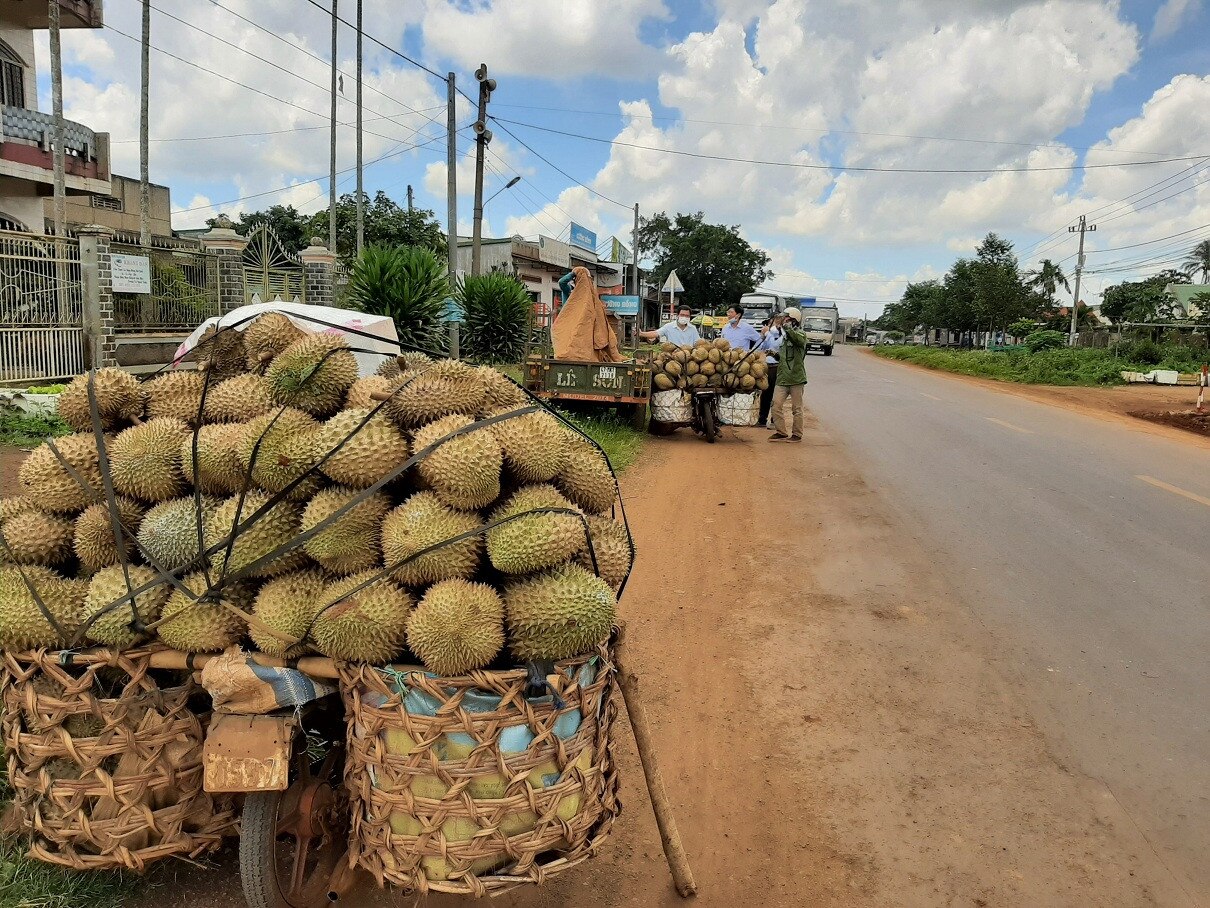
x=1095, y=580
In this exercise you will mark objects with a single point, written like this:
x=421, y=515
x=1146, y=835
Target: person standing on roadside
x=791, y=378
x=679, y=332
x=738, y=333
x=771, y=343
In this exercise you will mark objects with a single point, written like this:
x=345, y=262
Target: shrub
x=497, y=316
x=407, y=283
x=1144, y=352
x=1045, y=340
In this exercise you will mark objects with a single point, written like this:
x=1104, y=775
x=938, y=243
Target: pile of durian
x=709, y=364
x=250, y=478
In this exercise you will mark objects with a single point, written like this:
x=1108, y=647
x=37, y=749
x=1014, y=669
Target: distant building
x=119, y=209
x=1182, y=296
x=26, y=160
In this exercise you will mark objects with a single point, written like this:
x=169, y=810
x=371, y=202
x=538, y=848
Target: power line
x=271, y=132
x=799, y=165
x=558, y=168
x=1149, y=242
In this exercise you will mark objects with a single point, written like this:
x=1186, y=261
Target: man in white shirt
x=680, y=332
x=771, y=336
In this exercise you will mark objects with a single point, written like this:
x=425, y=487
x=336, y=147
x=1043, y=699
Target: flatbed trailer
x=625, y=386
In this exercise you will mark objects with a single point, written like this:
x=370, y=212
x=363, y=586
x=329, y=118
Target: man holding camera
x=791, y=377
x=770, y=333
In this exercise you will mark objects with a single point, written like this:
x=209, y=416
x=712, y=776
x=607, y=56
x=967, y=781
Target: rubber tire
x=827, y=351
x=708, y=427
x=655, y=427
x=257, y=850
x=638, y=417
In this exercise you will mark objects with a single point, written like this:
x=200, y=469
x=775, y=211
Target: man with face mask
x=791, y=378
x=679, y=332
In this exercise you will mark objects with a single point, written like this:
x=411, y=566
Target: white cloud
x=1171, y=16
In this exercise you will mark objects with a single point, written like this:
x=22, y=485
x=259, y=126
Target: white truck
x=818, y=321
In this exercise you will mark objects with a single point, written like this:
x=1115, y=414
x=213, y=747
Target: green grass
x=45, y=389
x=26, y=883
x=24, y=430
x=620, y=441
x=1090, y=367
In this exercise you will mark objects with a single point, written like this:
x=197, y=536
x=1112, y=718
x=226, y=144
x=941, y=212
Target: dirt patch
x=10, y=460
x=1189, y=420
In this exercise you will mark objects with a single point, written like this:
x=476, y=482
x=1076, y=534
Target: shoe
x=777, y=436
x=795, y=438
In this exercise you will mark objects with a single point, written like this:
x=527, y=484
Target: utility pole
x=483, y=136
x=451, y=193
x=56, y=83
x=634, y=249
x=144, y=141
x=1083, y=228
x=361, y=214
x=409, y=197
x=332, y=147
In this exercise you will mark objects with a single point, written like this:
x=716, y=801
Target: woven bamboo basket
x=464, y=785
x=106, y=782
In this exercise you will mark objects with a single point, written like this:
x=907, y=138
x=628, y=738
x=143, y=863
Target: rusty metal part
x=248, y=753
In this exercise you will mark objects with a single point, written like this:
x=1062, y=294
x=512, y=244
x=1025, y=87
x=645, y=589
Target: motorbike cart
x=701, y=414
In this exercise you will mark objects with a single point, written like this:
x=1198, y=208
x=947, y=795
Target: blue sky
x=997, y=85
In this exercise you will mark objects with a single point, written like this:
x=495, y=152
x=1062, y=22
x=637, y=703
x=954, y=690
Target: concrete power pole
x=483, y=136
x=451, y=193
x=144, y=141
x=634, y=249
x=1083, y=228
x=361, y=214
x=56, y=84
x=332, y=148
x=409, y=196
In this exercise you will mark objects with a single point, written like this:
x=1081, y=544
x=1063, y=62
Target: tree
x=1047, y=279
x=1201, y=302
x=408, y=283
x=715, y=264
x=1199, y=260
x=918, y=304
x=999, y=295
x=1141, y=301
x=386, y=224
x=290, y=226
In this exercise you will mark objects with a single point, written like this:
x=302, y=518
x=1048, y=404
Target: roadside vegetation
x=25, y=430
x=1054, y=366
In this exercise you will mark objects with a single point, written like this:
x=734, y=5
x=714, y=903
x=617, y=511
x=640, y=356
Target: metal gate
x=41, y=308
x=271, y=272
x=184, y=292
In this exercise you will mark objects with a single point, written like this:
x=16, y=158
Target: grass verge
x=23, y=430
x=620, y=441
x=1080, y=366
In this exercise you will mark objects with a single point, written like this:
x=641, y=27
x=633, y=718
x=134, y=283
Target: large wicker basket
x=465, y=785
x=105, y=782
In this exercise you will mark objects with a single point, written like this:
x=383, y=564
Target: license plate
x=247, y=753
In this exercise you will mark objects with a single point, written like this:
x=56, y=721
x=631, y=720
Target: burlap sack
x=581, y=330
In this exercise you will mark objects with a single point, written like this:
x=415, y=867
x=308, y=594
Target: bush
x=1144, y=352
x=497, y=317
x=407, y=283
x=1045, y=340
x=25, y=430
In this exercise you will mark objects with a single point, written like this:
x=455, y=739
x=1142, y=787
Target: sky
x=895, y=133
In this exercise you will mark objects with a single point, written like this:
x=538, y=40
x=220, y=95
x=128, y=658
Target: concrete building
x=119, y=209
x=26, y=133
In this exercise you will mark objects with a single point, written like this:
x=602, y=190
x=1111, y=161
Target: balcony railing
x=72, y=14
x=27, y=137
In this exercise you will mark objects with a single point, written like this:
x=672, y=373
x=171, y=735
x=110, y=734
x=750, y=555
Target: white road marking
x=929, y=396
x=1175, y=490
x=1008, y=425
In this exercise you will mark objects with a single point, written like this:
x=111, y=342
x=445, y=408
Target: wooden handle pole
x=670, y=837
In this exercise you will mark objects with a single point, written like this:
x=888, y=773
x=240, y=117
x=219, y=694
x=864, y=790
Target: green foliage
x=1047, y=278
x=1022, y=327
x=1202, y=302
x=26, y=883
x=290, y=226
x=24, y=430
x=408, y=283
x=716, y=265
x=1045, y=340
x=497, y=318
x=1199, y=260
x=620, y=441
x=45, y=389
x=1141, y=301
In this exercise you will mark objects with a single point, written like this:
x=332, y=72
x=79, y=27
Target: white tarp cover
x=384, y=339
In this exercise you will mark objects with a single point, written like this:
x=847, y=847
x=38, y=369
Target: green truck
x=625, y=386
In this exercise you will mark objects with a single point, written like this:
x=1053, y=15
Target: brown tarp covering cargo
x=581, y=331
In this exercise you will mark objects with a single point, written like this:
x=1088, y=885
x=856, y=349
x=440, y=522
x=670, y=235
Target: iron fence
x=184, y=292
x=41, y=308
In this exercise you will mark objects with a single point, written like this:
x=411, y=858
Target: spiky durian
x=313, y=374
x=146, y=460
x=176, y=395
x=238, y=399
x=561, y=613
x=350, y=543
x=44, y=479
x=361, y=392
x=168, y=535
x=118, y=395
x=35, y=537
x=500, y=392
x=612, y=549
x=22, y=623
x=443, y=388
x=537, y=540
x=361, y=448
x=278, y=448
x=362, y=624
x=424, y=521
x=458, y=626
x=533, y=444
x=202, y=620
x=465, y=470
x=11, y=507
x=217, y=453
x=585, y=477
x=93, y=538
x=255, y=537
x=287, y=604
x=221, y=352
x=112, y=615
x=267, y=335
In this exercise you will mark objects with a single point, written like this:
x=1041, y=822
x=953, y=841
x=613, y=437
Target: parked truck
x=820, y=321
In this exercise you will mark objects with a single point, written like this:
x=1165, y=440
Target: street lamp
x=509, y=185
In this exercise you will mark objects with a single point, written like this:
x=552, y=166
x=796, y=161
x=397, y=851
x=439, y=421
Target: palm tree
x=1048, y=279
x=1199, y=260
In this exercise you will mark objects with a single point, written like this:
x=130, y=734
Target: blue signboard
x=453, y=310
x=621, y=305
x=583, y=237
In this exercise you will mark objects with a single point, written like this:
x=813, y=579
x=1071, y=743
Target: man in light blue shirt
x=738, y=333
x=772, y=346
x=681, y=332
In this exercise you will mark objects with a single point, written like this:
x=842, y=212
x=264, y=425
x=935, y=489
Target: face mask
x=683, y=321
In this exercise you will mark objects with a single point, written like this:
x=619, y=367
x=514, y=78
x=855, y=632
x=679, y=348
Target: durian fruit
x=11, y=507
x=534, y=541
x=313, y=374
x=278, y=447
x=360, y=396
x=443, y=388
x=561, y=613
x=414, y=361
x=362, y=624
x=533, y=444
x=22, y=624
x=389, y=368
x=423, y=521
x=612, y=548
x=168, y=534
x=721, y=343
x=119, y=396
x=176, y=395
x=287, y=604
x=200, y=623
x=499, y=391
x=93, y=536
x=238, y=399
x=267, y=335
x=270, y=531
x=585, y=477
x=77, y=724
x=112, y=624
x=218, y=468
x=146, y=460
x=663, y=383
x=221, y=352
x=44, y=480
x=747, y=383
x=350, y=543
x=457, y=627
x=465, y=470
x=367, y=452
x=35, y=537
